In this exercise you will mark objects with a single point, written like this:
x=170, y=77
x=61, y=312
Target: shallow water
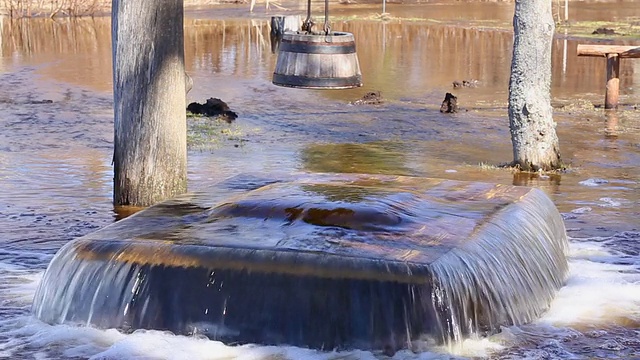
x=55, y=161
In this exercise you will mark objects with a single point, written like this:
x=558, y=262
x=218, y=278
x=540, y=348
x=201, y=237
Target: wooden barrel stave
x=317, y=61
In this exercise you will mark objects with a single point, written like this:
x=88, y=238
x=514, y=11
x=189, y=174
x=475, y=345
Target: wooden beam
x=603, y=50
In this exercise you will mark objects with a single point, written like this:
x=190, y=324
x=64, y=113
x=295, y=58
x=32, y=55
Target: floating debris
x=604, y=31
x=450, y=104
x=465, y=84
x=370, y=98
x=214, y=107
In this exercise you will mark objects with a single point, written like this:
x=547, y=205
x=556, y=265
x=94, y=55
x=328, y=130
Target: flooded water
x=56, y=150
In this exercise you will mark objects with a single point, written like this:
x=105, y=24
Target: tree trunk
x=150, y=150
x=533, y=133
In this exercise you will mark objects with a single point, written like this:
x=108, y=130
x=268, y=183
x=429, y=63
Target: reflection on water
x=380, y=158
x=611, y=128
x=407, y=59
x=76, y=51
x=55, y=157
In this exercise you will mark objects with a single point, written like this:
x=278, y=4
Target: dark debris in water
x=213, y=107
x=471, y=83
x=27, y=102
x=604, y=31
x=370, y=98
x=449, y=104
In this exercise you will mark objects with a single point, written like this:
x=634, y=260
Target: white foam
x=613, y=202
x=581, y=210
x=88, y=342
x=18, y=286
x=593, y=182
x=599, y=292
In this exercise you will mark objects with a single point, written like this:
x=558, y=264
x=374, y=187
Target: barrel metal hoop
x=308, y=47
x=317, y=83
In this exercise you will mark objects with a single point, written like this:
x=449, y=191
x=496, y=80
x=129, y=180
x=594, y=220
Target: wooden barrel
x=317, y=61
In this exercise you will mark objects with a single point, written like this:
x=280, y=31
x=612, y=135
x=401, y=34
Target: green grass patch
x=628, y=29
x=205, y=133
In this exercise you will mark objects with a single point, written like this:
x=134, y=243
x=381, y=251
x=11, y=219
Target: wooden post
x=150, y=151
x=613, y=54
x=613, y=82
x=280, y=24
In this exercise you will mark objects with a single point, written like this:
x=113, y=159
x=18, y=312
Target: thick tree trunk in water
x=150, y=155
x=533, y=133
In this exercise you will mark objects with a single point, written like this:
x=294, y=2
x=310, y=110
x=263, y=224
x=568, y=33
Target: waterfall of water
x=440, y=259
x=492, y=282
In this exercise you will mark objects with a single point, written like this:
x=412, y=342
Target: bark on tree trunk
x=150, y=151
x=533, y=133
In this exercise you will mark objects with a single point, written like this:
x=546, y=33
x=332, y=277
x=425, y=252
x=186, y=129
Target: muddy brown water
x=56, y=175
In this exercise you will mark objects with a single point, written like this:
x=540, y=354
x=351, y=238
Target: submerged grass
x=205, y=133
x=627, y=29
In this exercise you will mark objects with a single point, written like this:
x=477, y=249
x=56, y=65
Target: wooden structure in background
x=280, y=24
x=613, y=54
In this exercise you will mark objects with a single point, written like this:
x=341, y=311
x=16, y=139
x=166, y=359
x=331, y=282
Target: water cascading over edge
x=323, y=261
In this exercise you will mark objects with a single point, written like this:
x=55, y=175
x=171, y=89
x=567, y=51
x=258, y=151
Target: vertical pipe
x=566, y=10
x=613, y=82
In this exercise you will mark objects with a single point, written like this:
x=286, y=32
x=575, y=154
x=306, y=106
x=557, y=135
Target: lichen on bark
x=533, y=130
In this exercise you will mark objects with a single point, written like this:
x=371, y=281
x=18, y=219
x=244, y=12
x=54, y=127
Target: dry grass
x=628, y=29
x=52, y=8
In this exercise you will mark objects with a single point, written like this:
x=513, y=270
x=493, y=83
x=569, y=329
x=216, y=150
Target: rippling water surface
x=56, y=147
